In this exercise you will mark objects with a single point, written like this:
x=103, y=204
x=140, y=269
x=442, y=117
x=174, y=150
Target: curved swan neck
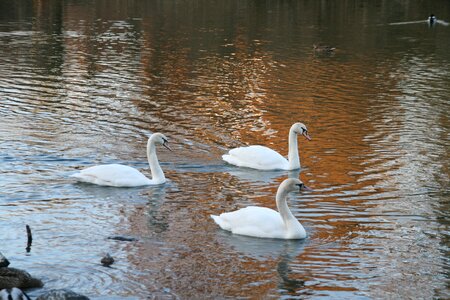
x=155, y=168
x=293, y=156
x=283, y=208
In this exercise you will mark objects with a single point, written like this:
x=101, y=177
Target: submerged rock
x=12, y=277
x=13, y=294
x=4, y=262
x=61, y=294
x=122, y=238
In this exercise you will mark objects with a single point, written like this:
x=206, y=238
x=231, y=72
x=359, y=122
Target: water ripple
x=88, y=88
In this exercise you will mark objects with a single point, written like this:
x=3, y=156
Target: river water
x=86, y=82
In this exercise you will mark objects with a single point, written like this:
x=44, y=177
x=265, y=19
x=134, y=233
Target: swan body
x=264, y=158
x=263, y=222
x=256, y=157
x=124, y=176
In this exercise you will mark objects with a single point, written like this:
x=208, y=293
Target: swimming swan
x=124, y=176
x=263, y=158
x=264, y=222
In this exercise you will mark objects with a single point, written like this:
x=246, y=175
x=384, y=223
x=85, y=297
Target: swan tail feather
x=227, y=158
x=219, y=221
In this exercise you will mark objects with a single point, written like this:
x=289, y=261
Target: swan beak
x=165, y=144
x=303, y=187
x=306, y=135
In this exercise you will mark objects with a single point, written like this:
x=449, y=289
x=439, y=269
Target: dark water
x=85, y=82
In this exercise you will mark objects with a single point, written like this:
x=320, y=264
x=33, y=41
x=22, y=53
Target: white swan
x=263, y=158
x=264, y=222
x=124, y=176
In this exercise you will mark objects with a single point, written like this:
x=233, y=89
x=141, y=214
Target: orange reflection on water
x=122, y=71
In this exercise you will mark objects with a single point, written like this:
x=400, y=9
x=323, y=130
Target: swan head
x=300, y=128
x=293, y=185
x=159, y=138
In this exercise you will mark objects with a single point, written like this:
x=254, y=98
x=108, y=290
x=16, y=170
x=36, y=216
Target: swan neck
x=155, y=168
x=283, y=208
x=293, y=156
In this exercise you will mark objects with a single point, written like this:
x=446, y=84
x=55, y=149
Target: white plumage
x=256, y=157
x=264, y=222
x=124, y=176
x=264, y=158
x=113, y=175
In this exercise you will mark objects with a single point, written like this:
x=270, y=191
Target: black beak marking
x=165, y=142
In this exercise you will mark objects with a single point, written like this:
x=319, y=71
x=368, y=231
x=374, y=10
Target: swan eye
x=300, y=185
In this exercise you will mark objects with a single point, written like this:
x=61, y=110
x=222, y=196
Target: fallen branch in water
x=29, y=238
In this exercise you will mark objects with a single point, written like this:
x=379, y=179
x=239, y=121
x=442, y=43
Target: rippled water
x=85, y=82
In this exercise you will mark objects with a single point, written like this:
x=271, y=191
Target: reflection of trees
x=15, y=10
x=48, y=46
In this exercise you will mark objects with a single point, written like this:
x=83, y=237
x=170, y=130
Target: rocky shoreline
x=13, y=281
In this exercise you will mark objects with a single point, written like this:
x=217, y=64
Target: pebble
x=61, y=294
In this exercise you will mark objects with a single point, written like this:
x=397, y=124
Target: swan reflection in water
x=244, y=174
x=157, y=220
x=285, y=251
x=252, y=175
x=149, y=197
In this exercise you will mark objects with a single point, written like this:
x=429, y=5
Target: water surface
x=86, y=82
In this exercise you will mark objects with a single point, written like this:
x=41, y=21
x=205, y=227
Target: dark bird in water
x=12, y=277
x=107, y=260
x=323, y=48
x=13, y=294
x=432, y=20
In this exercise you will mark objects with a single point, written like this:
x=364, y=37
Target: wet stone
x=12, y=277
x=61, y=294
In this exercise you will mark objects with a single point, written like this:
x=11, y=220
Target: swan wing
x=112, y=175
x=256, y=157
x=253, y=221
